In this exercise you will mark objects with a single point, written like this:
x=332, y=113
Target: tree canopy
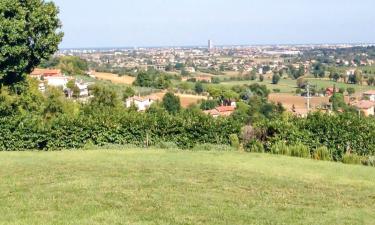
x=29, y=33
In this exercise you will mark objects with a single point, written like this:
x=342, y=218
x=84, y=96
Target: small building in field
x=224, y=111
x=53, y=77
x=366, y=107
x=206, y=79
x=141, y=103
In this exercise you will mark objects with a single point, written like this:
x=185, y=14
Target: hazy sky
x=109, y=23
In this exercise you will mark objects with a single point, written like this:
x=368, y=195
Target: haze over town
x=186, y=112
x=128, y=23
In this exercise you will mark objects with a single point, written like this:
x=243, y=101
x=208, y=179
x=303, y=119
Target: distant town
x=301, y=77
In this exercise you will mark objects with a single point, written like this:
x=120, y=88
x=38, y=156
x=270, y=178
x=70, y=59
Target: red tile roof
x=371, y=92
x=364, y=104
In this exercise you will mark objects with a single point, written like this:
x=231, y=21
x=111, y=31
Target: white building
x=142, y=104
x=83, y=89
x=57, y=81
x=210, y=45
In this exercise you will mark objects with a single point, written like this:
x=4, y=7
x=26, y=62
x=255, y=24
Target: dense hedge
x=24, y=132
x=340, y=133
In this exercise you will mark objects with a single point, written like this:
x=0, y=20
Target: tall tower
x=210, y=45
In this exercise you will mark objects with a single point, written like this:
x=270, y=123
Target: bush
x=300, y=150
x=255, y=146
x=234, y=141
x=166, y=145
x=370, y=161
x=212, y=147
x=280, y=148
x=322, y=153
x=351, y=159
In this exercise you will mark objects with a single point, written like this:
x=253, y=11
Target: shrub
x=212, y=147
x=351, y=159
x=234, y=141
x=370, y=161
x=322, y=153
x=255, y=146
x=166, y=145
x=300, y=150
x=280, y=148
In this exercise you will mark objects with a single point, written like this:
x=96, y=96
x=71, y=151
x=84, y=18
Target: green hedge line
x=344, y=133
x=29, y=132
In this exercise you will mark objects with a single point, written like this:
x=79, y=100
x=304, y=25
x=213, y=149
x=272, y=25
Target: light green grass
x=320, y=83
x=285, y=85
x=175, y=187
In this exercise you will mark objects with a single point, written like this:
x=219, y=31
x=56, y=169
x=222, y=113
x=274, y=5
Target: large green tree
x=29, y=33
x=171, y=103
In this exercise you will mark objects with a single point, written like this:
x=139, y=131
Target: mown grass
x=175, y=187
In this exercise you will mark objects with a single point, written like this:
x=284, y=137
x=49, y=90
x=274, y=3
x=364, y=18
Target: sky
x=145, y=23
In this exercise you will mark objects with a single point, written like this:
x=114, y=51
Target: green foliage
x=351, y=159
x=369, y=161
x=128, y=92
x=300, y=150
x=72, y=65
x=234, y=141
x=280, y=148
x=171, y=103
x=338, y=101
x=104, y=97
x=275, y=78
x=255, y=147
x=198, y=88
x=350, y=91
x=153, y=78
x=208, y=104
x=322, y=153
x=28, y=35
x=320, y=129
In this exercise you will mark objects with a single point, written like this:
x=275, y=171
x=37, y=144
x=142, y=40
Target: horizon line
x=220, y=45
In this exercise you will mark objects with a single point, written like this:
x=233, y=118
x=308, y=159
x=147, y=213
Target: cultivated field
x=114, y=78
x=299, y=102
x=178, y=187
x=186, y=99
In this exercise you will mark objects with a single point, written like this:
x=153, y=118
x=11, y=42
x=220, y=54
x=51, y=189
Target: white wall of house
x=142, y=105
x=57, y=81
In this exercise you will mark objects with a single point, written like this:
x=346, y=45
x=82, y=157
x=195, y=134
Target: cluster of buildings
x=55, y=78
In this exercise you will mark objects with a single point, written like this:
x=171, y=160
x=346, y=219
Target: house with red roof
x=365, y=106
x=224, y=111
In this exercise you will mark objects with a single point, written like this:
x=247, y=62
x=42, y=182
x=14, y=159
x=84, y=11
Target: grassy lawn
x=176, y=187
x=285, y=85
x=327, y=83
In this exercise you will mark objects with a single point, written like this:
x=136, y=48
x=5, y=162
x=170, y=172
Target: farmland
x=177, y=187
x=114, y=78
x=186, y=99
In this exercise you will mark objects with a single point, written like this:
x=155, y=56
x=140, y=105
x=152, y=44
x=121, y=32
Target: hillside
x=176, y=187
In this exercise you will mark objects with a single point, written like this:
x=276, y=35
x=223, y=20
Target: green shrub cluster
x=352, y=159
x=185, y=129
x=340, y=133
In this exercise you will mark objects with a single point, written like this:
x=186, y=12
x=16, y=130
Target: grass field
x=175, y=187
x=290, y=86
x=285, y=85
x=186, y=99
